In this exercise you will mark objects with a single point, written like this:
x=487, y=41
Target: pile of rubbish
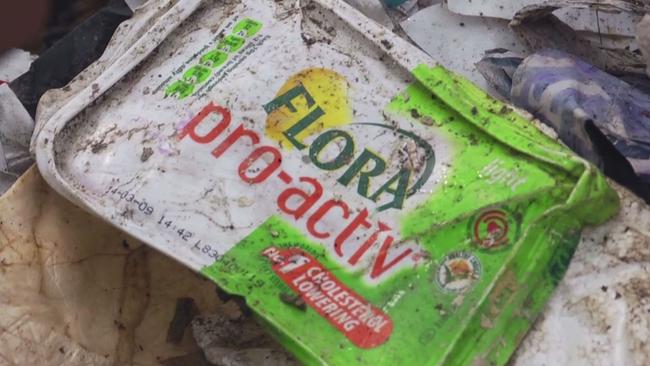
x=276, y=182
x=578, y=66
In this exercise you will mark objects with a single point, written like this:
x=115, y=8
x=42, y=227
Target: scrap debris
x=581, y=67
x=494, y=39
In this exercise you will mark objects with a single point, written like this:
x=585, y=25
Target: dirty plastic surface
x=314, y=163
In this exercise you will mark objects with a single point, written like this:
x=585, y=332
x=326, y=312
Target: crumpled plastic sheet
x=581, y=20
x=609, y=29
x=16, y=127
x=540, y=28
x=458, y=32
x=76, y=291
x=580, y=102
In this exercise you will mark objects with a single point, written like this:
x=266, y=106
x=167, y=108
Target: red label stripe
x=362, y=323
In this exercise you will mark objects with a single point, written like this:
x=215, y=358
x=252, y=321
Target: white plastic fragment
x=13, y=63
x=541, y=27
x=457, y=41
x=16, y=126
x=610, y=29
x=374, y=10
x=134, y=4
x=504, y=9
x=581, y=20
x=614, y=24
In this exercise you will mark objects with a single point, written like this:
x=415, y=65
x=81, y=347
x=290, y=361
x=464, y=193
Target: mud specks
x=98, y=147
x=427, y=121
x=95, y=89
x=119, y=325
x=441, y=309
x=127, y=214
x=293, y=300
x=415, y=113
x=244, y=201
x=486, y=322
x=308, y=41
x=146, y=154
x=386, y=44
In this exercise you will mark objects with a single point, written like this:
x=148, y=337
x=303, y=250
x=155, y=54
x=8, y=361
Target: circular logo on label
x=493, y=229
x=458, y=271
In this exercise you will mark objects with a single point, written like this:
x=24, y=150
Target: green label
x=213, y=60
x=496, y=236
